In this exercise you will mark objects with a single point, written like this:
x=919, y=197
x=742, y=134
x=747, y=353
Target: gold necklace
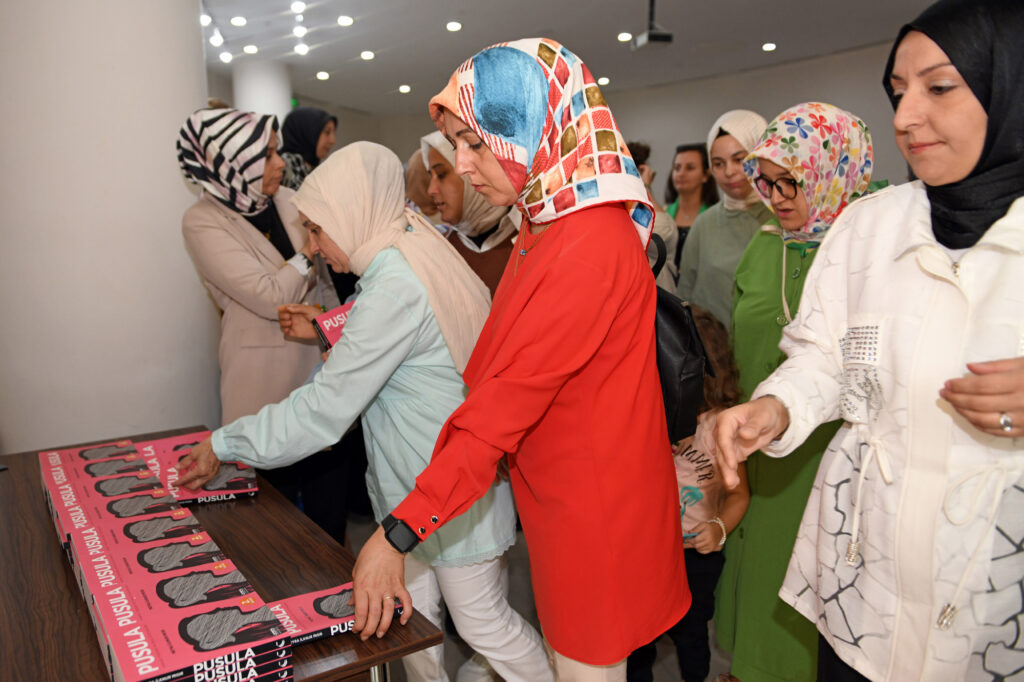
x=521, y=251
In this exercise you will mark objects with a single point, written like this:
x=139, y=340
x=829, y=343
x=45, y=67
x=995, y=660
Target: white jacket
x=886, y=318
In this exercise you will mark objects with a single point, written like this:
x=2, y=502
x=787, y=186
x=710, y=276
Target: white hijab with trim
x=746, y=127
x=477, y=215
x=357, y=196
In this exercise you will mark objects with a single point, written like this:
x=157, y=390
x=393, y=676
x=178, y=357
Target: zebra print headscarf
x=224, y=150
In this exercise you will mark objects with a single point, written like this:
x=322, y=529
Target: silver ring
x=1005, y=422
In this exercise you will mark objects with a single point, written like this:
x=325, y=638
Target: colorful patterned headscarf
x=224, y=150
x=827, y=151
x=538, y=109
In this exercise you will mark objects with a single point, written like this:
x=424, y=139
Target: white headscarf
x=477, y=215
x=746, y=127
x=357, y=195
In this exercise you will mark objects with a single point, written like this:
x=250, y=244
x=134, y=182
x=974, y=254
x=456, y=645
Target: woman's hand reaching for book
x=198, y=466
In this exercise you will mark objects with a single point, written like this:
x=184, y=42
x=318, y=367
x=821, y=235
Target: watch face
x=401, y=536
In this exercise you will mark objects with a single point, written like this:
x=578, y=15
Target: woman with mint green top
x=690, y=190
x=398, y=367
x=810, y=162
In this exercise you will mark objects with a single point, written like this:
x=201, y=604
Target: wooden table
x=45, y=630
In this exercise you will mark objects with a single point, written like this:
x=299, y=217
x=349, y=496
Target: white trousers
x=477, y=599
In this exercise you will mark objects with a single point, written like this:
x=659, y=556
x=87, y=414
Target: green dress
x=768, y=639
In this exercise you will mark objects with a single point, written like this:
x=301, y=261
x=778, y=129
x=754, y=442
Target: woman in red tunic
x=563, y=378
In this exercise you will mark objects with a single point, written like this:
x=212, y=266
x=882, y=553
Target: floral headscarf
x=538, y=109
x=827, y=151
x=224, y=151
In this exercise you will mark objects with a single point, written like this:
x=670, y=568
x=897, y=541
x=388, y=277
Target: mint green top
x=392, y=367
x=712, y=250
x=768, y=639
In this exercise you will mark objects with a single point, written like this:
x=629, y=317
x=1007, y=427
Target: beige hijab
x=357, y=195
x=477, y=215
x=746, y=126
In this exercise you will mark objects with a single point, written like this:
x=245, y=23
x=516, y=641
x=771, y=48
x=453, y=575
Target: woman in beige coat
x=248, y=245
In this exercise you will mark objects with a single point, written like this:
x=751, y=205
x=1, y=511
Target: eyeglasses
x=786, y=186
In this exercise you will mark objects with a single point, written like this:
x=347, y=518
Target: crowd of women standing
x=876, y=335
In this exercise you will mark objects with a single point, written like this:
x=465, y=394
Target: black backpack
x=682, y=360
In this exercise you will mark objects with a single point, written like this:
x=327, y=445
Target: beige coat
x=248, y=279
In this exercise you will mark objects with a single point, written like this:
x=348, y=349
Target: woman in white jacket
x=910, y=556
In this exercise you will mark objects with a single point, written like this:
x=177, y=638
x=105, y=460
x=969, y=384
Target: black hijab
x=301, y=131
x=984, y=39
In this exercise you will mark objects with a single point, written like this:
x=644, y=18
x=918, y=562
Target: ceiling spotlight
x=225, y=57
x=250, y=49
x=366, y=54
x=345, y=20
x=404, y=89
x=453, y=26
x=301, y=48
x=238, y=21
x=204, y=20
x=216, y=39
x=299, y=31
x=769, y=47
x=603, y=80
x=322, y=75
x=624, y=37
x=299, y=18
x=298, y=7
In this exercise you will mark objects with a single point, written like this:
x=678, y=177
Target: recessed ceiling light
x=366, y=54
x=345, y=20
x=769, y=47
x=204, y=20
x=225, y=57
x=299, y=17
x=453, y=26
x=322, y=75
x=250, y=49
x=301, y=48
x=625, y=37
x=404, y=89
x=298, y=7
x=216, y=39
x=238, y=21
x=603, y=80
x=299, y=31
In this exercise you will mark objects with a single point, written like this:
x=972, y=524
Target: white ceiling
x=413, y=47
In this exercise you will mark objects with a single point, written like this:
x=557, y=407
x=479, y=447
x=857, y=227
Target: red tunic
x=564, y=380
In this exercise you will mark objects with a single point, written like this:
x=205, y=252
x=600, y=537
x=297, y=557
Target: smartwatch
x=399, y=534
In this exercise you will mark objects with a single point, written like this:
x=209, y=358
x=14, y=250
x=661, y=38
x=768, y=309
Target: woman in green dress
x=811, y=161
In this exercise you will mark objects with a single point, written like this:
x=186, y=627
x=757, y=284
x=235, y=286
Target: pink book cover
x=232, y=480
x=330, y=325
x=150, y=639
x=316, y=615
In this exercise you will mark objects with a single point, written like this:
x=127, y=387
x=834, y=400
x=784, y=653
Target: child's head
x=723, y=389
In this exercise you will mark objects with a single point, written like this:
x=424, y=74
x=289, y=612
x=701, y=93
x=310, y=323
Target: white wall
x=107, y=330
x=677, y=114
x=670, y=115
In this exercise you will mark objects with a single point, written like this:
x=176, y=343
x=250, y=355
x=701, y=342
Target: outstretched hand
x=991, y=390
x=379, y=580
x=198, y=466
x=296, y=320
x=744, y=429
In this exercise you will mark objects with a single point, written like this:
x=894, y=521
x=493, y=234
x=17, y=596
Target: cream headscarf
x=477, y=215
x=746, y=127
x=357, y=195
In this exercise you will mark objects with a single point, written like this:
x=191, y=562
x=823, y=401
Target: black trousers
x=831, y=668
x=327, y=485
x=690, y=635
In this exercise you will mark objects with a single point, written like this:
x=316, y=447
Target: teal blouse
x=392, y=367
